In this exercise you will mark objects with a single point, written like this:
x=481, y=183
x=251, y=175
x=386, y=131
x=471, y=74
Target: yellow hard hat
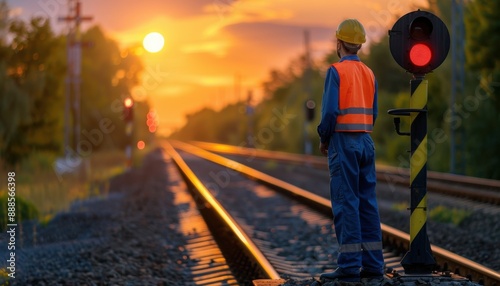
x=351, y=31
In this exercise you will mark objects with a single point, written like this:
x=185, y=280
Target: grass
x=440, y=213
x=23, y=210
x=271, y=164
x=52, y=192
x=4, y=276
x=400, y=206
x=47, y=193
x=447, y=215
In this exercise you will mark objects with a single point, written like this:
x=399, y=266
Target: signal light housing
x=310, y=106
x=419, y=42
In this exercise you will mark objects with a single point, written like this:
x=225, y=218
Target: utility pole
x=249, y=112
x=309, y=103
x=457, y=133
x=128, y=116
x=73, y=79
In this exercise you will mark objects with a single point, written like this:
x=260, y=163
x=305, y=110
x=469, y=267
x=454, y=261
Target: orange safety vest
x=356, y=95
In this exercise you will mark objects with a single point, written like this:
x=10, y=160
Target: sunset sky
x=211, y=45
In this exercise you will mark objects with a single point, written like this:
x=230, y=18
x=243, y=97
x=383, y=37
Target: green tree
x=31, y=68
x=480, y=109
x=32, y=73
x=229, y=125
x=482, y=24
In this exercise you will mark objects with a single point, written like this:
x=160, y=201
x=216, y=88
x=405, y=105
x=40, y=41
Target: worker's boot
x=341, y=275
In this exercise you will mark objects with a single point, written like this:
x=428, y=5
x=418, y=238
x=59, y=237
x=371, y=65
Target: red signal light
x=420, y=55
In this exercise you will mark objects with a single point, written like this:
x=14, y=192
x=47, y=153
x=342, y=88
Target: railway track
x=263, y=258
x=476, y=189
x=209, y=265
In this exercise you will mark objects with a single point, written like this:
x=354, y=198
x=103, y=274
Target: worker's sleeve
x=375, y=103
x=329, y=105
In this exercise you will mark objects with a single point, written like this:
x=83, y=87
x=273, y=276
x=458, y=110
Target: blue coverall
x=351, y=161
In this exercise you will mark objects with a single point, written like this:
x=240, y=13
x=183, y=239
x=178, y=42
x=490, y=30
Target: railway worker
x=349, y=110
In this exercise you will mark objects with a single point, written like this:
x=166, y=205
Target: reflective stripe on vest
x=356, y=95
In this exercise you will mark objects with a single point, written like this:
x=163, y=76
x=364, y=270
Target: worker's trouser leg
x=371, y=233
x=352, y=191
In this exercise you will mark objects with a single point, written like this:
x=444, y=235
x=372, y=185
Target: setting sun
x=153, y=42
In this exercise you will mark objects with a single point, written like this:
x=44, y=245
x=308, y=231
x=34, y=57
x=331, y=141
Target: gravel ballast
x=128, y=237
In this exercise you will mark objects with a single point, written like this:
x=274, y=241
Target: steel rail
x=483, y=190
x=466, y=267
x=245, y=240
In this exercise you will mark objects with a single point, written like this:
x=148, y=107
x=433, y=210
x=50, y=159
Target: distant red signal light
x=420, y=55
x=141, y=145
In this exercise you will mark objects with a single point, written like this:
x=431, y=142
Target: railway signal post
x=419, y=42
x=128, y=116
x=309, y=109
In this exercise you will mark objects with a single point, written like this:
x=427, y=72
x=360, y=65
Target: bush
x=24, y=210
x=446, y=215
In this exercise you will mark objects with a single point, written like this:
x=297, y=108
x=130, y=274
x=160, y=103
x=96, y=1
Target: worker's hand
x=323, y=148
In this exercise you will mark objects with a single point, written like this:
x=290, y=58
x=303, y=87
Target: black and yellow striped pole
x=419, y=42
x=419, y=259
